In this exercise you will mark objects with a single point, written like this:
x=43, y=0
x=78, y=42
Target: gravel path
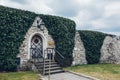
x=67, y=76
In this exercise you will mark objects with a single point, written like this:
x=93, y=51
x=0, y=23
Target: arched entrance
x=36, y=48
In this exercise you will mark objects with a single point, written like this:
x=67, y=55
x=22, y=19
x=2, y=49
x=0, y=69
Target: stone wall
x=110, y=51
x=79, y=56
x=24, y=50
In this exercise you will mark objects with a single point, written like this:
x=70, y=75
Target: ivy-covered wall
x=92, y=41
x=14, y=24
x=63, y=32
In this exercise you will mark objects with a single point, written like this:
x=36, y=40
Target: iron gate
x=36, y=47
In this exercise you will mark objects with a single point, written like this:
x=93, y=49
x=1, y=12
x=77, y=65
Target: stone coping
x=80, y=74
x=42, y=77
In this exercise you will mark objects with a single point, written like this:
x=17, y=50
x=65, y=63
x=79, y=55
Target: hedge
x=14, y=24
x=92, y=41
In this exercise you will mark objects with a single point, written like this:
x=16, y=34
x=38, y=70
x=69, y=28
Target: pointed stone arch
x=24, y=49
x=44, y=42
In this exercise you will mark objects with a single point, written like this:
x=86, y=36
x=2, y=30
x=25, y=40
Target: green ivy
x=63, y=32
x=15, y=23
x=92, y=41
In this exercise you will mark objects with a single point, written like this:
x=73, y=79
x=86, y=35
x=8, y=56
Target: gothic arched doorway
x=36, y=47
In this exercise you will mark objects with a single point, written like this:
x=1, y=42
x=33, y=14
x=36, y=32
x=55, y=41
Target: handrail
x=43, y=57
x=59, y=54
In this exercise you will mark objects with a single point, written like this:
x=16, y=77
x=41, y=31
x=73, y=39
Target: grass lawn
x=19, y=76
x=100, y=71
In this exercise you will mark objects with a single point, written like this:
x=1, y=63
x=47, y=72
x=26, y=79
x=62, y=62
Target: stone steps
x=54, y=71
x=46, y=63
x=54, y=67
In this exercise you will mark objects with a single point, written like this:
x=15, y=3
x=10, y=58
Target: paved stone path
x=67, y=76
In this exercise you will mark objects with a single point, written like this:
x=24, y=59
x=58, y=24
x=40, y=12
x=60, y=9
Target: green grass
x=100, y=71
x=19, y=76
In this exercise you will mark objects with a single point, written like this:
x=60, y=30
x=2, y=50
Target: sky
x=95, y=15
